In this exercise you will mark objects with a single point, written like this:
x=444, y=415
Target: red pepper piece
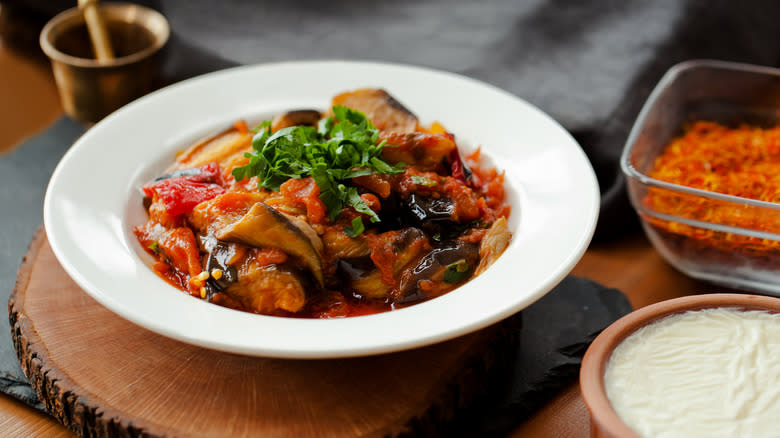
x=460, y=170
x=209, y=173
x=181, y=194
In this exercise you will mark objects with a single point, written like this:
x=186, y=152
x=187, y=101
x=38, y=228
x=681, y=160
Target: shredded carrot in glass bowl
x=743, y=162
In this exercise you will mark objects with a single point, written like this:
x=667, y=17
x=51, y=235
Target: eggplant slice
x=426, y=152
x=220, y=255
x=307, y=117
x=263, y=226
x=264, y=289
x=380, y=107
x=249, y=285
x=431, y=209
x=340, y=246
x=362, y=275
x=433, y=266
x=226, y=148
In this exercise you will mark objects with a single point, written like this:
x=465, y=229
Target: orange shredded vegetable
x=742, y=162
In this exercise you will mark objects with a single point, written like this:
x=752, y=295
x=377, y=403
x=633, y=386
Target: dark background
x=590, y=65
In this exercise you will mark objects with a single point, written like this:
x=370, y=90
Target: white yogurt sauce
x=708, y=373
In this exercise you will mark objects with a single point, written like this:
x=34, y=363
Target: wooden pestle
x=101, y=43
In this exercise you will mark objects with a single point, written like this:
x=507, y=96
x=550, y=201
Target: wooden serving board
x=101, y=375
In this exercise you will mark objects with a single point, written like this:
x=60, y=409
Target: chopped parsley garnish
x=341, y=147
x=457, y=272
x=356, y=228
x=154, y=247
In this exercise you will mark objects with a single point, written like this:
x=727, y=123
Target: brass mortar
x=92, y=89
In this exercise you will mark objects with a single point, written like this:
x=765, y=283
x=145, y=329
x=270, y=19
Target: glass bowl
x=731, y=240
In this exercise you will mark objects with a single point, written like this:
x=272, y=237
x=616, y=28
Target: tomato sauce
x=395, y=247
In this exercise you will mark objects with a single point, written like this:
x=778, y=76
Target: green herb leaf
x=457, y=272
x=354, y=200
x=356, y=229
x=341, y=147
x=357, y=172
x=264, y=126
x=154, y=247
x=324, y=126
x=382, y=167
x=331, y=196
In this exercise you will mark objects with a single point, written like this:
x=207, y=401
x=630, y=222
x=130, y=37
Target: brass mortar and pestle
x=103, y=56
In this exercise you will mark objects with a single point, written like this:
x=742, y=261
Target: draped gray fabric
x=589, y=64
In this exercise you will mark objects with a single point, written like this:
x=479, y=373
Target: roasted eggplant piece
x=263, y=226
x=369, y=283
x=426, y=152
x=246, y=284
x=226, y=148
x=358, y=268
x=427, y=209
x=362, y=275
x=434, y=215
x=340, y=246
x=433, y=266
x=381, y=108
x=267, y=288
x=215, y=214
x=221, y=256
x=493, y=244
x=306, y=117
x=179, y=173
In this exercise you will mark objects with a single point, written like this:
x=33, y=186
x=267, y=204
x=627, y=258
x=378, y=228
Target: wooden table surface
x=30, y=103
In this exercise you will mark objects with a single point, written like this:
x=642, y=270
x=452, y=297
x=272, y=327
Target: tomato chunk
x=305, y=193
x=181, y=194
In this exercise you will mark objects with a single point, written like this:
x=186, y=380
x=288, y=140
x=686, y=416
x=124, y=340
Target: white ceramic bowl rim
x=92, y=203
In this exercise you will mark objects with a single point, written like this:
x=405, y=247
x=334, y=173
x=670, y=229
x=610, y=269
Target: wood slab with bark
x=101, y=375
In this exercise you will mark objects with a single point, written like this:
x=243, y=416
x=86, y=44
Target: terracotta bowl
x=604, y=421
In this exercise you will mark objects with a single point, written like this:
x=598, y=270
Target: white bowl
x=93, y=202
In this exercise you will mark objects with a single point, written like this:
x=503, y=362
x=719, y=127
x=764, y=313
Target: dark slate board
x=549, y=340
x=24, y=174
